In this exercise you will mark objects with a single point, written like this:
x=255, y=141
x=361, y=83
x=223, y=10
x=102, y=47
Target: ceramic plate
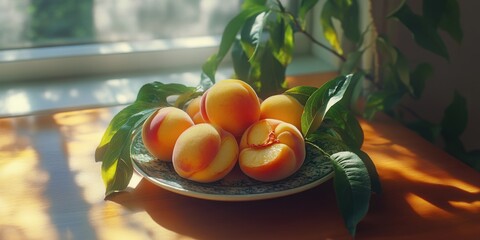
x=235, y=186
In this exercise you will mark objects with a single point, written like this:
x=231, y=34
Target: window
x=41, y=23
x=66, y=38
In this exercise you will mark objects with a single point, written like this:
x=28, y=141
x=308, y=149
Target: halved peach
x=271, y=150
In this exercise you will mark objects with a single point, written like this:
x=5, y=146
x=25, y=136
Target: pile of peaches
x=226, y=126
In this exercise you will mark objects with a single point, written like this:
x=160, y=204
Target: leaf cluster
x=261, y=40
x=331, y=128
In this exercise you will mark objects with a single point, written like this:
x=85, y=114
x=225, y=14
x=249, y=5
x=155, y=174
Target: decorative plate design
x=236, y=186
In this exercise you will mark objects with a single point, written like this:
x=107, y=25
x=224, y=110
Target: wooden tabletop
x=51, y=188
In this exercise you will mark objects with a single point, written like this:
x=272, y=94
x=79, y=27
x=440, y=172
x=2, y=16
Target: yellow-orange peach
x=232, y=105
x=161, y=130
x=205, y=153
x=282, y=107
x=193, y=110
x=271, y=150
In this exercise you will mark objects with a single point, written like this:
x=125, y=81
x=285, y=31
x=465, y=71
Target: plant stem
x=411, y=111
x=318, y=148
x=313, y=39
x=309, y=36
x=317, y=42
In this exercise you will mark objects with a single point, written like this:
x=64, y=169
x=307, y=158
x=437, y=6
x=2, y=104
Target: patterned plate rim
x=193, y=189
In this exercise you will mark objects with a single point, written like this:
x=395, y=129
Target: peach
x=282, y=107
x=232, y=105
x=161, y=130
x=205, y=153
x=271, y=150
x=193, y=110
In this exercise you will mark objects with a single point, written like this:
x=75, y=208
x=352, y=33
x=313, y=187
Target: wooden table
x=51, y=188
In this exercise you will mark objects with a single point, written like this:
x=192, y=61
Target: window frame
x=76, y=61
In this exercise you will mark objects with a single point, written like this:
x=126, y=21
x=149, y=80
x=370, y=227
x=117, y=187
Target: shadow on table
x=429, y=194
x=421, y=210
x=312, y=214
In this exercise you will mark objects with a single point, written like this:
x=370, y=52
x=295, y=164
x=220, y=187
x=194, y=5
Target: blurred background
x=41, y=23
x=460, y=73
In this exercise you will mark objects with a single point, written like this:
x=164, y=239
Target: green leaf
x=321, y=101
x=228, y=37
x=391, y=81
x=375, y=103
x=455, y=117
x=116, y=123
x=446, y=15
x=418, y=78
x=268, y=45
x=347, y=12
x=253, y=3
x=380, y=101
x=350, y=19
x=352, y=188
x=116, y=165
x=305, y=7
x=241, y=66
x=328, y=12
x=424, y=32
x=350, y=65
x=372, y=171
x=352, y=133
x=387, y=49
x=301, y=93
x=117, y=174
x=326, y=138
x=282, y=39
x=272, y=74
x=209, y=68
x=433, y=10
x=157, y=92
x=257, y=36
x=395, y=70
x=403, y=71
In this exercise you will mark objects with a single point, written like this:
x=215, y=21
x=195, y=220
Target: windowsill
x=25, y=98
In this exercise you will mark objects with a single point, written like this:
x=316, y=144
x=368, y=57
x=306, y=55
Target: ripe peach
x=193, y=110
x=232, y=105
x=271, y=150
x=161, y=130
x=282, y=107
x=205, y=153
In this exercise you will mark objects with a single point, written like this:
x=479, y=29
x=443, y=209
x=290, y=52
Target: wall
x=461, y=73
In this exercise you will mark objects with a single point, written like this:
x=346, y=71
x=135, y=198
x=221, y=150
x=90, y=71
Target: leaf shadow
x=424, y=189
